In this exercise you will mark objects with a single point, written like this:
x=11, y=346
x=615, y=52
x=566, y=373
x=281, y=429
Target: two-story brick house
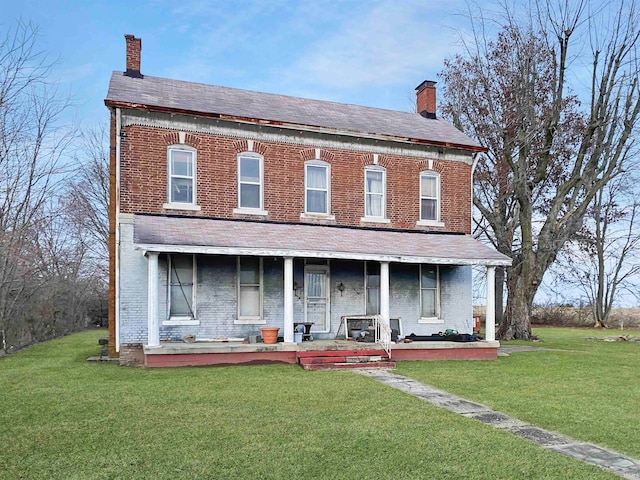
x=232, y=210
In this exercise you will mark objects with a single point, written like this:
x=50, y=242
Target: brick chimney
x=426, y=99
x=134, y=47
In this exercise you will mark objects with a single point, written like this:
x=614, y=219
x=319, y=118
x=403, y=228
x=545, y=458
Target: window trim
x=170, y=205
x=327, y=167
x=436, y=221
x=182, y=319
x=437, y=318
x=250, y=319
x=250, y=210
x=383, y=217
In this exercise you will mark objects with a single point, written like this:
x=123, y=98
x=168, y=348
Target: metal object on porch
x=356, y=323
x=382, y=332
x=306, y=333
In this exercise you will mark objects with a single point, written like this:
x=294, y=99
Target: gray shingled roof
x=201, y=235
x=214, y=100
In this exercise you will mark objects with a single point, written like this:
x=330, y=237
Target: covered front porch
x=324, y=274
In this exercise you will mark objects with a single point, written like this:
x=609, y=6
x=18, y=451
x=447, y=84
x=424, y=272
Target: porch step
x=341, y=359
x=345, y=361
x=342, y=365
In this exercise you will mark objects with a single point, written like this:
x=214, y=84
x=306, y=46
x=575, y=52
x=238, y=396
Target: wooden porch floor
x=232, y=353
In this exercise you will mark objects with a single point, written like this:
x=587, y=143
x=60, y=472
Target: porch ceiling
x=231, y=237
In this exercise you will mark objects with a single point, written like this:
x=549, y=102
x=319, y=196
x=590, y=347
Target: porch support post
x=153, y=334
x=490, y=314
x=384, y=293
x=288, y=299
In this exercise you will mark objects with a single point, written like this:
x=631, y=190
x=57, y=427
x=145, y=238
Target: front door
x=316, y=297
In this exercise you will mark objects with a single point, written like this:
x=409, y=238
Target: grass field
x=589, y=390
x=65, y=418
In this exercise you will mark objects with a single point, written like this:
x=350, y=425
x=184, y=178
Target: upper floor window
x=429, y=196
x=250, y=181
x=182, y=176
x=317, y=187
x=374, y=192
x=182, y=293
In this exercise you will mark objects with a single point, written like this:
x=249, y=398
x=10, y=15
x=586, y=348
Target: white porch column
x=491, y=304
x=384, y=293
x=153, y=334
x=288, y=299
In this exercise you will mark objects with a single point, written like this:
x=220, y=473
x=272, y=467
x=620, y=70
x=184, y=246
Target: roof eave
x=333, y=255
x=296, y=126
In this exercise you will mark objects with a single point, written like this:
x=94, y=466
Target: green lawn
x=62, y=417
x=590, y=391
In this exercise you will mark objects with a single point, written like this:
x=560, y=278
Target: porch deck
x=236, y=353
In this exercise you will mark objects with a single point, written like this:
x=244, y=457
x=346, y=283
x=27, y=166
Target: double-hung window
x=250, y=286
x=182, y=291
x=317, y=188
x=429, y=196
x=182, y=176
x=374, y=192
x=372, y=285
x=429, y=292
x=250, y=181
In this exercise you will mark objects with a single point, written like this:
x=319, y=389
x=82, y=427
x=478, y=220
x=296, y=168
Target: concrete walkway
x=587, y=452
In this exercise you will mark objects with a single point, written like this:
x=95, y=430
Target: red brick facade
x=144, y=180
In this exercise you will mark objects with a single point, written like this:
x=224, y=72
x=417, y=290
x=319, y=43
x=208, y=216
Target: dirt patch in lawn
x=618, y=338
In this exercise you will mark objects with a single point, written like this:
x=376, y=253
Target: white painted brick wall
x=456, y=298
x=133, y=289
x=217, y=305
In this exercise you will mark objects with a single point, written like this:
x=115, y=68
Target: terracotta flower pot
x=270, y=334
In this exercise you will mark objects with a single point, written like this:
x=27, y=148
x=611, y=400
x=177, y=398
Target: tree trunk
x=516, y=324
x=599, y=324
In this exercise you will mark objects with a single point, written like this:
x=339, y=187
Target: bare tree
x=551, y=149
x=88, y=193
x=604, y=259
x=32, y=142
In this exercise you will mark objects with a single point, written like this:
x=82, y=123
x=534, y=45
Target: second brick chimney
x=134, y=47
x=426, y=99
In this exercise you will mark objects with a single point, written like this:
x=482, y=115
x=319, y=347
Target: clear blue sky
x=354, y=51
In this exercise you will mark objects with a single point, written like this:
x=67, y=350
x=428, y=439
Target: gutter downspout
x=117, y=253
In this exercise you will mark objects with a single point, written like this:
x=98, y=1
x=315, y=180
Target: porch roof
x=173, y=234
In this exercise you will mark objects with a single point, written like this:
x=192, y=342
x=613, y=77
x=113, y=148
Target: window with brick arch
x=317, y=187
x=374, y=192
x=181, y=174
x=250, y=181
x=430, y=196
